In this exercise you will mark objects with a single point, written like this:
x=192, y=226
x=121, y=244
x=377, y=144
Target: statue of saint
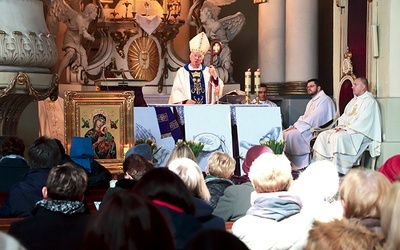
x=77, y=22
x=223, y=30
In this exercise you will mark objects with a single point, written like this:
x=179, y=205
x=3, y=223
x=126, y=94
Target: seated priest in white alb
x=358, y=128
x=262, y=97
x=195, y=83
x=319, y=110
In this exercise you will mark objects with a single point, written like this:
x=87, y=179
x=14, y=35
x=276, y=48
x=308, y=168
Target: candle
x=126, y=148
x=134, y=6
x=257, y=80
x=247, y=81
x=165, y=7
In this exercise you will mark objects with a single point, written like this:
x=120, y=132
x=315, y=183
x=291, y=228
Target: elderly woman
x=362, y=193
x=274, y=220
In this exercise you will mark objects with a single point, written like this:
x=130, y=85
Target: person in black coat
x=82, y=154
x=22, y=197
x=59, y=220
x=13, y=165
x=170, y=194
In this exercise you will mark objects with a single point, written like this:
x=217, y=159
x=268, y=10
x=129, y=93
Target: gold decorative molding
x=294, y=88
x=143, y=58
x=117, y=107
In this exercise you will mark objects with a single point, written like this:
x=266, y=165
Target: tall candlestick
x=134, y=6
x=247, y=85
x=257, y=83
x=165, y=7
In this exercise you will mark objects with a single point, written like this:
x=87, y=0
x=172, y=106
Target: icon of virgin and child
x=103, y=141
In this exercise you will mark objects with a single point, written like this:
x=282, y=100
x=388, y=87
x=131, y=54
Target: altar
x=229, y=128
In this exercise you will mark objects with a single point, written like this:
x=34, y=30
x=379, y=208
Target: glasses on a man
x=311, y=86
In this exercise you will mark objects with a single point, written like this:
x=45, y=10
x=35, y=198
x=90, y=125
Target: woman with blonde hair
x=220, y=168
x=191, y=174
x=274, y=220
x=390, y=216
x=181, y=151
x=362, y=193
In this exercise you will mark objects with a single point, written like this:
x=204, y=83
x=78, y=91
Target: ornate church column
x=301, y=43
x=27, y=51
x=271, y=41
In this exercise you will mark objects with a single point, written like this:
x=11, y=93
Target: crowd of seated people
x=174, y=204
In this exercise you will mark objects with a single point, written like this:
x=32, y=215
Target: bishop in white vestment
x=196, y=83
x=358, y=128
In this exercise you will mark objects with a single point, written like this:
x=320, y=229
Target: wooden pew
x=92, y=195
x=6, y=222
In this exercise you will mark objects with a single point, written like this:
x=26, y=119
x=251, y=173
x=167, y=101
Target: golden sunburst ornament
x=143, y=58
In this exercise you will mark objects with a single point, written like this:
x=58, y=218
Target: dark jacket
x=204, y=215
x=22, y=197
x=99, y=177
x=183, y=226
x=120, y=185
x=11, y=171
x=217, y=186
x=235, y=202
x=50, y=230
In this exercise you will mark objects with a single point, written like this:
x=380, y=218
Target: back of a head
x=362, y=192
x=128, y=221
x=60, y=146
x=390, y=217
x=12, y=145
x=319, y=181
x=136, y=166
x=143, y=150
x=391, y=168
x=215, y=239
x=43, y=153
x=164, y=185
x=364, y=81
x=66, y=182
x=342, y=235
x=252, y=154
x=221, y=165
x=271, y=173
x=191, y=175
x=181, y=151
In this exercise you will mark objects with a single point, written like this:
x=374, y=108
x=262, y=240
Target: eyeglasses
x=311, y=86
x=198, y=56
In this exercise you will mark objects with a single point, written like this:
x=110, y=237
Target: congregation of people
x=180, y=207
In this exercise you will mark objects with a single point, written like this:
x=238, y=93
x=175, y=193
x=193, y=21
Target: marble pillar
x=271, y=41
x=301, y=40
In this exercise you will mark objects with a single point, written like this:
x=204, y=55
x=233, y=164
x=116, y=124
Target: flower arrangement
x=152, y=144
x=274, y=145
x=196, y=147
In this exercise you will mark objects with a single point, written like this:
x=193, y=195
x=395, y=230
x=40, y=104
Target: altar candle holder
x=247, y=85
x=257, y=83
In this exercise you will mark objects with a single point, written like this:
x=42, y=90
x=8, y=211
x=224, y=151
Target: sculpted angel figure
x=224, y=30
x=77, y=21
